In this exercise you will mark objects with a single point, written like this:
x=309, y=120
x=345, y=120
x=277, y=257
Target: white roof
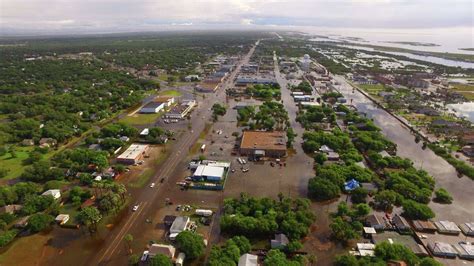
x=62, y=217
x=56, y=193
x=204, y=170
x=145, y=132
x=369, y=230
x=366, y=253
x=179, y=224
x=133, y=151
x=442, y=248
x=365, y=246
x=447, y=226
x=248, y=260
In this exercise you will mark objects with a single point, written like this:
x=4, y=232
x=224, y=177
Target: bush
x=359, y=194
x=417, y=211
x=7, y=236
x=191, y=244
x=442, y=196
x=39, y=221
x=322, y=189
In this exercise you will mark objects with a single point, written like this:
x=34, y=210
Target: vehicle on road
x=145, y=255
x=135, y=208
x=245, y=170
x=152, y=185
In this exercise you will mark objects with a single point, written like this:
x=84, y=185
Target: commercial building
x=467, y=228
x=179, y=225
x=152, y=108
x=442, y=249
x=182, y=110
x=157, y=249
x=209, y=173
x=244, y=81
x=447, y=227
x=133, y=154
x=257, y=144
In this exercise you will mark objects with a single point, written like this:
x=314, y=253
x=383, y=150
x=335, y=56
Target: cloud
x=126, y=15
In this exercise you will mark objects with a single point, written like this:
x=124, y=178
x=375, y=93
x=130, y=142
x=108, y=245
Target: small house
x=375, y=221
x=167, y=250
x=400, y=223
x=55, y=193
x=62, y=219
x=11, y=209
x=467, y=228
x=447, y=227
x=280, y=241
x=248, y=260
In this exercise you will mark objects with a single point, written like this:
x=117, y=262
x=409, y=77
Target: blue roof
x=351, y=185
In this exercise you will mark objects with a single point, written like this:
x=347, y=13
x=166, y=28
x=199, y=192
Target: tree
x=442, y=196
x=342, y=231
x=90, y=216
x=277, y=258
x=322, y=189
x=385, y=199
x=417, y=211
x=128, y=238
x=161, y=260
x=39, y=221
x=290, y=135
x=133, y=259
x=359, y=195
x=393, y=251
x=429, y=262
x=191, y=243
x=346, y=260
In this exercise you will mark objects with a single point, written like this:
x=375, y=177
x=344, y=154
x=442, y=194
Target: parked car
x=152, y=185
x=145, y=255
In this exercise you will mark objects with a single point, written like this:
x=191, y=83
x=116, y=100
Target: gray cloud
x=137, y=15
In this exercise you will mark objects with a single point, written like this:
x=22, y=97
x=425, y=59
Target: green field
x=465, y=89
x=372, y=89
x=141, y=119
x=15, y=165
x=170, y=93
x=142, y=179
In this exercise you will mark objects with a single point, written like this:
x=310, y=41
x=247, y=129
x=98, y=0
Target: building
x=400, y=223
x=27, y=142
x=465, y=250
x=248, y=260
x=467, y=228
x=62, y=219
x=168, y=220
x=133, y=154
x=424, y=226
x=280, y=241
x=190, y=78
x=47, y=142
x=145, y=132
x=376, y=222
x=258, y=144
x=302, y=98
x=182, y=110
x=244, y=81
x=179, y=225
x=180, y=259
x=441, y=249
x=166, y=250
x=209, y=173
x=152, y=108
x=406, y=240
x=55, y=193
x=447, y=227
x=207, y=87
x=11, y=209
x=166, y=100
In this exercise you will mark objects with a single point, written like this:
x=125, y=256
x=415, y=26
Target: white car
x=145, y=255
x=135, y=208
x=152, y=185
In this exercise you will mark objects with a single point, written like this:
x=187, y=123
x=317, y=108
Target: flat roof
x=467, y=248
x=134, y=151
x=152, y=105
x=442, y=248
x=447, y=226
x=263, y=140
x=180, y=223
x=205, y=170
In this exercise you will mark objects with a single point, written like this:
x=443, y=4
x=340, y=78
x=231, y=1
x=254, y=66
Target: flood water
x=464, y=109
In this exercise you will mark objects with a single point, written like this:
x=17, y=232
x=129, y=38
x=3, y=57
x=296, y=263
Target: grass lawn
x=141, y=119
x=26, y=250
x=372, y=89
x=170, y=93
x=463, y=87
x=15, y=166
x=72, y=211
x=142, y=179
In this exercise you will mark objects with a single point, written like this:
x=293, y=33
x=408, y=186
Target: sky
x=96, y=16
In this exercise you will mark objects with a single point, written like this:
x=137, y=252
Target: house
x=11, y=209
x=47, y=142
x=424, y=226
x=179, y=225
x=465, y=250
x=152, y=108
x=27, y=142
x=133, y=154
x=467, y=228
x=441, y=249
x=190, y=78
x=447, y=227
x=375, y=221
x=400, y=223
x=468, y=151
x=55, y=193
x=22, y=222
x=209, y=173
x=124, y=138
x=62, y=219
x=248, y=260
x=369, y=231
x=166, y=250
x=325, y=149
x=333, y=156
x=280, y=241
x=468, y=138
x=258, y=144
x=145, y=132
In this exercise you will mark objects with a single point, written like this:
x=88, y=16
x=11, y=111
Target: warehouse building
x=133, y=154
x=179, y=225
x=258, y=144
x=209, y=173
x=182, y=110
x=152, y=108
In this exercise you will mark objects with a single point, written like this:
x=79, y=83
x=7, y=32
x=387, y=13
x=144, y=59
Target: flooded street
x=460, y=210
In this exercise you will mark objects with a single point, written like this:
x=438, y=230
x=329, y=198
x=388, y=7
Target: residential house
x=167, y=250
x=248, y=260
x=11, y=209
x=280, y=241
x=55, y=193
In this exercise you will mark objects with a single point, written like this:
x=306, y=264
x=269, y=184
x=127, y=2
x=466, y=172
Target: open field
x=465, y=89
x=141, y=119
x=372, y=89
x=15, y=254
x=170, y=93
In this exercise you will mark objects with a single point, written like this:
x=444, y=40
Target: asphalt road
x=148, y=198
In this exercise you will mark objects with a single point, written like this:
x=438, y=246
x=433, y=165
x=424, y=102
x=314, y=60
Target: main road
x=461, y=210
x=147, y=198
